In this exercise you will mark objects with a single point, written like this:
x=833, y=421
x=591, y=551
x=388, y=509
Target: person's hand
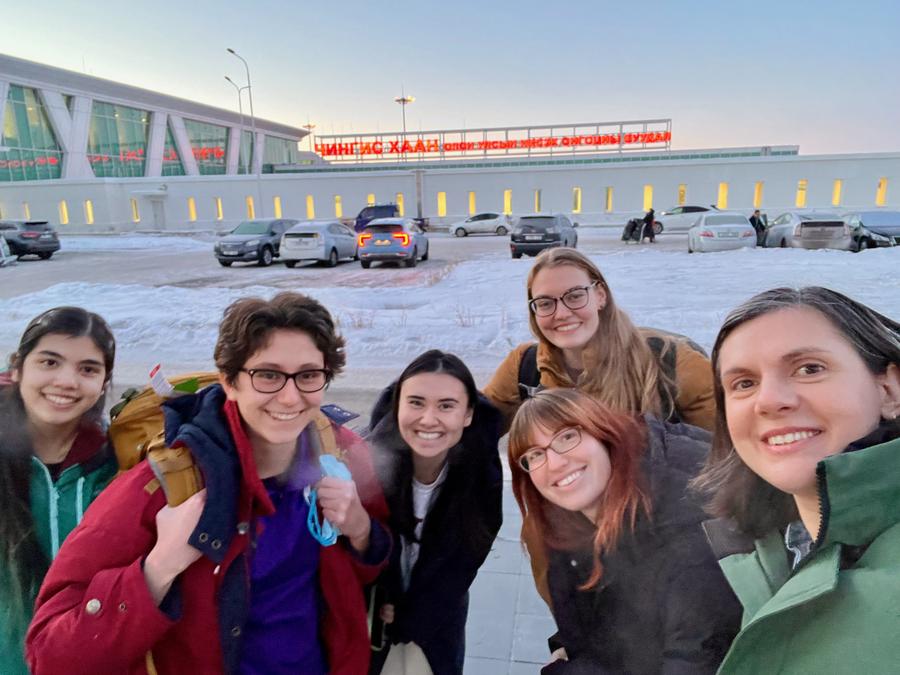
x=172, y=554
x=558, y=655
x=386, y=613
x=342, y=507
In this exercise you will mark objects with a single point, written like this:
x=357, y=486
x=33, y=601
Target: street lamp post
x=241, y=113
x=404, y=101
x=309, y=126
x=256, y=158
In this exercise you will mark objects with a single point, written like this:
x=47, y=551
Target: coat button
x=236, y=632
x=203, y=538
x=216, y=544
x=243, y=528
x=93, y=606
x=122, y=607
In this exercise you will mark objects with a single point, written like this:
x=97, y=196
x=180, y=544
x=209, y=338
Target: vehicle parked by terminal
x=721, y=231
x=681, y=218
x=30, y=237
x=871, y=229
x=388, y=210
x=532, y=234
x=326, y=241
x=808, y=228
x=482, y=223
x=256, y=240
x=392, y=240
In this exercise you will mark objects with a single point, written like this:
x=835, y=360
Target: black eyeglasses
x=565, y=440
x=267, y=381
x=574, y=298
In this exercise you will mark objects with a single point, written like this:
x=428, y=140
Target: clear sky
x=824, y=75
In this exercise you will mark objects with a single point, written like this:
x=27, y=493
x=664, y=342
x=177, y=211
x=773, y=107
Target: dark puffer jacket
x=662, y=605
x=456, y=538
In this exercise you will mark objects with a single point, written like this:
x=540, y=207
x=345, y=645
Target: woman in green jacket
x=805, y=470
x=54, y=458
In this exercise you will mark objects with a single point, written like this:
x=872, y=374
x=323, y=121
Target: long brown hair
x=624, y=437
x=620, y=369
x=736, y=491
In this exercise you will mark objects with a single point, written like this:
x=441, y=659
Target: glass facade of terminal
x=117, y=142
x=28, y=148
x=208, y=143
x=171, y=165
x=246, y=151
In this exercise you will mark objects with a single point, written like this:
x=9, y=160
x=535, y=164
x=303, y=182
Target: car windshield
x=36, y=226
x=384, y=228
x=881, y=218
x=817, y=216
x=726, y=220
x=251, y=227
x=538, y=223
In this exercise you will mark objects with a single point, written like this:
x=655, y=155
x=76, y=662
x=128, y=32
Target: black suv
x=253, y=240
x=532, y=234
x=30, y=237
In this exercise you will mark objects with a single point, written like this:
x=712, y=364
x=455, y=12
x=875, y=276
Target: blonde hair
x=620, y=369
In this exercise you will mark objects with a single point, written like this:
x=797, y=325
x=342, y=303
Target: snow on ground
x=477, y=309
x=133, y=242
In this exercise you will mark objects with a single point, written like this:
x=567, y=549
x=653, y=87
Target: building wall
x=163, y=203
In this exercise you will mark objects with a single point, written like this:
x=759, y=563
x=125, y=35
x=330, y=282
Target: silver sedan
x=808, y=229
x=718, y=231
x=326, y=241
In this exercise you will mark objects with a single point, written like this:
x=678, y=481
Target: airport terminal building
x=92, y=155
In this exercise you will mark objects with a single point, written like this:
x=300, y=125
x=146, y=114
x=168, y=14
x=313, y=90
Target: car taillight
x=707, y=234
x=797, y=230
x=402, y=237
x=362, y=239
x=748, y=234
x=31, y=235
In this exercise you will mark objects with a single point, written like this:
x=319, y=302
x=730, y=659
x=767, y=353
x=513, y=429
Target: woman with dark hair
x=246, y=575
x=633, y=585
x=54, y=458
x=434, y=439
x=805, y=476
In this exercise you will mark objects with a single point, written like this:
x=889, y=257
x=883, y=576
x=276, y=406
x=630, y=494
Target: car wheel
x=290, y=263
x=332, y=258
x=516, y=254
x=45, y=255
x=412, y=262
x=502, y=231
x=366, y=264
x=226, y=263
x=783, y=243
x=266, y=256
x=460, y=232
x=864, y=244
x=657, y=227
x=427, y=251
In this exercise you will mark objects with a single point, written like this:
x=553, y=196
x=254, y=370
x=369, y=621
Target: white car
x=681, y=218
x=721, y=231
x=326, y=241
x=488, y=223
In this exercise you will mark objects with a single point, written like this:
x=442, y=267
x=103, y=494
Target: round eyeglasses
x=574, y=298
x=267, y=381
x=564, y=441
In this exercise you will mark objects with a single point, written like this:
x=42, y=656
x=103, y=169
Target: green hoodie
x=56, y=508
x=839, y=611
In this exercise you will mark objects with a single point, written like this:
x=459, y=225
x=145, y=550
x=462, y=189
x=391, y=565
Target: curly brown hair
x=248, y=323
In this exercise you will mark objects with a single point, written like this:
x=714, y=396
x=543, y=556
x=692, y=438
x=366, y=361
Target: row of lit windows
x=250, y=207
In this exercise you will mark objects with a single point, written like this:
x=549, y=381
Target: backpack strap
x=529, y=375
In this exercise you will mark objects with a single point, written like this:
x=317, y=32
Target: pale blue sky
x=823, y=75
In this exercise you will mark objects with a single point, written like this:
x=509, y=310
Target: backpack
x=137, y=432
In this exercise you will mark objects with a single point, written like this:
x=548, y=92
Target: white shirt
x=423, y=497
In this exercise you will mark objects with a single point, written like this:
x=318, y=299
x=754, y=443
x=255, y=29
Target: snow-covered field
x=474, y=308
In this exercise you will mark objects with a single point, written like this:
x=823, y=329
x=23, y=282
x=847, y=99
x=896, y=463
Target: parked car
x=392, y=240
x=489, y=223
x=30, y=237
x=532, y=234
x=681, y=218
x=721, y=231
x=325, y=241
x=389, y=210
x=808, y=229
x=869, y=229
x=253, y=240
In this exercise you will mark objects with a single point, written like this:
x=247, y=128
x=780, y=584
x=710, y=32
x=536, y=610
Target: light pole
x=404, y=101
x=255, y=158
x=241, y=113
x=309, y=126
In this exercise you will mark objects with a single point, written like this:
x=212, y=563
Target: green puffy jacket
x=839, y=611
x=56, y=509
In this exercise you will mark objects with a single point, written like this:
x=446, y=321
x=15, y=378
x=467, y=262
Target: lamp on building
x=241, y=113
x=256, y=158
x=404, y=101
x=309, y=126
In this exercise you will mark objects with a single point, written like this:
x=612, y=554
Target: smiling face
x=576, y=480
x=432, y=414
x=275, y=421
x=796, y=392
x=61, y=379
x=568, y=329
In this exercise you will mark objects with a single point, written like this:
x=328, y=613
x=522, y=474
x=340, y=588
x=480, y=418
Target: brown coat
x=694, y=404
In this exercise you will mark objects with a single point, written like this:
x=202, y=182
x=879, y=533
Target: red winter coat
x=94, y=613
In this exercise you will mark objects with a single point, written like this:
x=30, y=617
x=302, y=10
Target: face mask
x=324, y=532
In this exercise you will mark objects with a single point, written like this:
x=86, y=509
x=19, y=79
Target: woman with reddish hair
x=633, y=584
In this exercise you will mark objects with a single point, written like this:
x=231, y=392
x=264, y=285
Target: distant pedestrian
x=760, y=226
x=649, y=222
